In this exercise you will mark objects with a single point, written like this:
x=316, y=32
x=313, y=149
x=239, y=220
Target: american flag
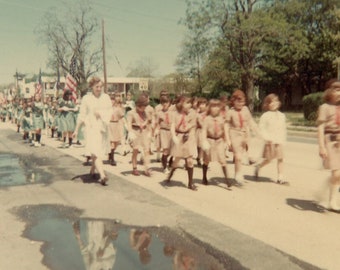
x=38, y=85
x=71, y=82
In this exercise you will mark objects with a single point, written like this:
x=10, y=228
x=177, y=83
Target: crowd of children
x=183, y=128
x=196, y=130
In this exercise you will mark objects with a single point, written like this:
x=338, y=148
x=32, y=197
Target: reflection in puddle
x=71, y=242
x=16, y=171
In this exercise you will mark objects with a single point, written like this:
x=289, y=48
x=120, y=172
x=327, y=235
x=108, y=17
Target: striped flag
x=71, y=82
x=38, y=85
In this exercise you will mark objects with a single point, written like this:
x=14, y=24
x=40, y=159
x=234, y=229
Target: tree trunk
x=248, y=88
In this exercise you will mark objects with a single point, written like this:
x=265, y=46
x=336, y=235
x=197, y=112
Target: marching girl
x=158, y=108
x=329, y=139
x=239, y=120
x=273, y=129
x=163, y=124
x=52, y=114
x=66, y=119
x=201, y=114
x=95, y=112
x=139, y=125
x=214, y=140
x=38, y=118
x=26, y=120
x=183, y=127
x=116, y=126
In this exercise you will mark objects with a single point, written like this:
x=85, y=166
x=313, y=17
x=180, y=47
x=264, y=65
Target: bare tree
x=69, y=33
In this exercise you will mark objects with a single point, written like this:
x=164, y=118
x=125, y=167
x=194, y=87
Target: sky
x=134, y=29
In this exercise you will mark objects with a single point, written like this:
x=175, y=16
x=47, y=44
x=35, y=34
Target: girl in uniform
x=239, y=120
x=183, y=127
x=38, y=118
x=214, y=140
x=116, y=129
x=139, y=125
x=163, y=124
x=329, y=139
x=201, y=114
x=52, y=114
x=272, y=126
x=26, y=121
x=67, y=119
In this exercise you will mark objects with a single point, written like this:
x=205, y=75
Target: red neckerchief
x=182, y=122
x=142, y=118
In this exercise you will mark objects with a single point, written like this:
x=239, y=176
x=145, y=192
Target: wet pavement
x=18, y=170
x=72, y=242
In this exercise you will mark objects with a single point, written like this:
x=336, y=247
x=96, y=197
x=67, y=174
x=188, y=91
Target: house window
x=27, y=90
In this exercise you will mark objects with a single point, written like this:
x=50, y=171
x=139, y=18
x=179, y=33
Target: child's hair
x=66, y=94
x=328, y=95
x=181, y=100
x=164, y=99
x=267, y=100
x=331, y=83
x=142, y=101
x=213, y=103
x=201, y=100
x=237, y=95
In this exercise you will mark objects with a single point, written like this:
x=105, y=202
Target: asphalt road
x=261, y=225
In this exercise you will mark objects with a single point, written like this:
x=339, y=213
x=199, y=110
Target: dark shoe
x=205, y=181
x=113, y=163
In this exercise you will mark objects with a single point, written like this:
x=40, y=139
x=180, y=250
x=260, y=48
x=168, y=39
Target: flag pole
x=104, y=61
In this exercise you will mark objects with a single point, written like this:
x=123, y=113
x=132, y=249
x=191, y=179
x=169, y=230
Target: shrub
x=311, y=104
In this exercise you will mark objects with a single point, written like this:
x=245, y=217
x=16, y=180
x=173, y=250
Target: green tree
x=144, y=67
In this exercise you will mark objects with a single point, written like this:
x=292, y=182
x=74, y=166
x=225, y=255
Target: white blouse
x=273, y=127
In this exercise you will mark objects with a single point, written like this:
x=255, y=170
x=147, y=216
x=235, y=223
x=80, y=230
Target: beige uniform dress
x=200, y=120
x=164, y=123
x=239, y=122
x=158, y=109
x=115, y=126
x=140, y=124
x=214, y=129
x=329, y=115
x=185, y=128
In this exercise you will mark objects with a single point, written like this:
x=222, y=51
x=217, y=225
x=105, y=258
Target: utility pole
x=104, y=61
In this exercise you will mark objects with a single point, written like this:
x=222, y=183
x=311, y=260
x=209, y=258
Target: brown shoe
x=135, y=172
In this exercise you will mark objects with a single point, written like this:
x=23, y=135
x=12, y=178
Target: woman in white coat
x=95, y=113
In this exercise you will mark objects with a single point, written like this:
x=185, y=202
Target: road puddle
x=71, y=242
x=19, y=170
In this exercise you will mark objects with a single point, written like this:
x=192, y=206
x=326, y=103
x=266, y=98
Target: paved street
x=260, y=224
